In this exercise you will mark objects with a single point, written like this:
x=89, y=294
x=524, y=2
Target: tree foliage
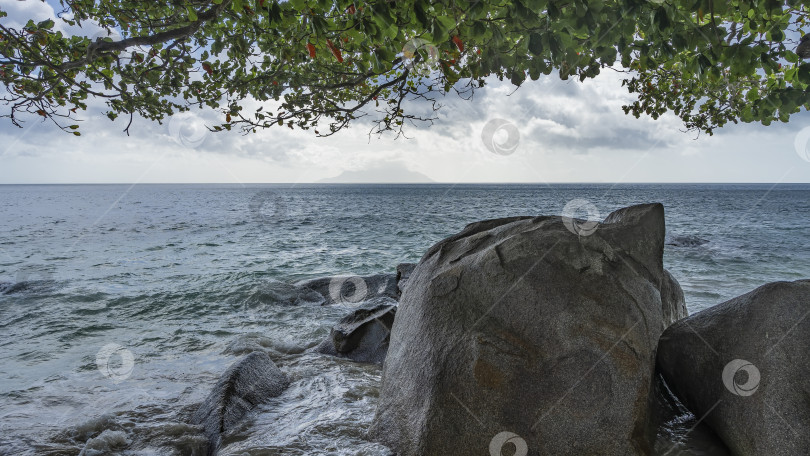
x=321, y=64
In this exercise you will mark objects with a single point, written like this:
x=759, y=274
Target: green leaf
x=479, y=30
x=804, y=73
x=420, y=11
x=775, y=35
x=536, y=44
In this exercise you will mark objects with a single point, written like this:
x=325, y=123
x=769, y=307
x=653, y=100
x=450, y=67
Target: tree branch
x=100, y=47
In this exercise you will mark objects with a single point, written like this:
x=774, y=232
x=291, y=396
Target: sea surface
x=121, y=305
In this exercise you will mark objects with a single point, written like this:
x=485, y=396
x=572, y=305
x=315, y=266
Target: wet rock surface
x=352, y=290
x=247, y=383
x=364, y=334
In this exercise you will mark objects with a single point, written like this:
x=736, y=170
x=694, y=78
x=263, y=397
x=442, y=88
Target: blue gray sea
x=120, y=305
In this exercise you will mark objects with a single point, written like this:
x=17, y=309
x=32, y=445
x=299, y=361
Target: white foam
x=105, y=442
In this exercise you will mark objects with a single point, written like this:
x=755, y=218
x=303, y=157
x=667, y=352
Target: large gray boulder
x=524, y=332
x=352, y=290
x=247, y=383
x=743, y=367
x=364, y=334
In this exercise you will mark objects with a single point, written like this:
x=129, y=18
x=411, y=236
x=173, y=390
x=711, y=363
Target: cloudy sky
x=564, y=131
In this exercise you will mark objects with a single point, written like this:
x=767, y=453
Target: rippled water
x=188, y=277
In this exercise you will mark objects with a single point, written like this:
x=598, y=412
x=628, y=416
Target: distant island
x=392, y=173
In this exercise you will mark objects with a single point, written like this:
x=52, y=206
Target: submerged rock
x=363, y=335
x=352, y=290
x=524, y=332
x=108, y=442
x=686, y=241
x=743, y=367
x=277, y=292
x=247, y=383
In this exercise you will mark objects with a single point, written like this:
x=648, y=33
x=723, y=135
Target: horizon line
x=413, y=183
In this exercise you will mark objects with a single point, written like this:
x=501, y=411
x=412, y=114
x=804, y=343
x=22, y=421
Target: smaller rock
x=685, y=241
x=364, y=334
x=247, y=383
x=352, y=289
x=277, y=292
x=404, y=271
x=245, y=344
x=16, y=287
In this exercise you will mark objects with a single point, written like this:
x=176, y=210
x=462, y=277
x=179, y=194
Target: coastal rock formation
x=363, y=335
x=743, y=366
x=247, y=383
x=526, y=332
x=352, y=289
x=674, y=305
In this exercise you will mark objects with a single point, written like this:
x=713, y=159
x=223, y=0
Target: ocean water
x=121, y=305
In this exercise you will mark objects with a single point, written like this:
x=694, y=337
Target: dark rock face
x=363, y=335
x=247, y=383
x=352, y=290
x=520, y=332
x=743, y=365
x=404, y=271
x=674, y=306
